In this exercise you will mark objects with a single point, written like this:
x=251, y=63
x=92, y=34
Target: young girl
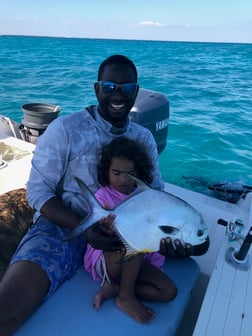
x=141, y=277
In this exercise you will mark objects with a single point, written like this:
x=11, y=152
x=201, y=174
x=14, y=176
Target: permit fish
x=145, y=217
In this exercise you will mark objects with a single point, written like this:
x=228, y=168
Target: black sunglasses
x=111, y=87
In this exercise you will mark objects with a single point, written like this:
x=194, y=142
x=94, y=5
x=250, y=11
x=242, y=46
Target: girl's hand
x=102, y=237
x=108, y=222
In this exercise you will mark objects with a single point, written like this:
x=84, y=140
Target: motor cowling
x=152, y=110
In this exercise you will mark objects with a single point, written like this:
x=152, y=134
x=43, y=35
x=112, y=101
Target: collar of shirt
x=107, y=125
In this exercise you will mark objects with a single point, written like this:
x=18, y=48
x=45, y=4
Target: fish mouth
x=201, y=248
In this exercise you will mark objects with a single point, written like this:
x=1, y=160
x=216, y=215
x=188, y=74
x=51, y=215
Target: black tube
x=242, y=253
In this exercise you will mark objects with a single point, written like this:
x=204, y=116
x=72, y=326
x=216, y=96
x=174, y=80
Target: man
x=70, y=147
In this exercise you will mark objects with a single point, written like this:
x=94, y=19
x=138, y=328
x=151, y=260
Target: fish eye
x=200, y=233
x=169, y=229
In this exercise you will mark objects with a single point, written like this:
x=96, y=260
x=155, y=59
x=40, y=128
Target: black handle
x=242, y=253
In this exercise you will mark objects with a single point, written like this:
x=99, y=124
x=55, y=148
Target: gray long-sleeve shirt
x=70, y=147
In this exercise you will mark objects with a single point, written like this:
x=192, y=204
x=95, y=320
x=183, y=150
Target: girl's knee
x=169, y=293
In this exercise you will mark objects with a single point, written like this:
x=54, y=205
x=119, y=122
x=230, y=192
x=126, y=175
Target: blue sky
x=179, y=20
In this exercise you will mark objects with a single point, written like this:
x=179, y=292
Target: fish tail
x=83, y=226
x=95, y=211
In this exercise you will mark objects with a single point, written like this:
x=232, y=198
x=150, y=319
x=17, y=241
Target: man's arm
x=58, y=213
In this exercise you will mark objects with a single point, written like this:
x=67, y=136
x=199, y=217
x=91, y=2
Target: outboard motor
x=151, y=110
x=36, y=118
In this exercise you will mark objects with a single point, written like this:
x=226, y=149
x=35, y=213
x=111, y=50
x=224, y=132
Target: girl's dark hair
x=116, y=59
x=132, y=150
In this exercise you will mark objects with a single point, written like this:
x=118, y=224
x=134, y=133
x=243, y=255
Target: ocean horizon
x=208, y=84
x=121, y=39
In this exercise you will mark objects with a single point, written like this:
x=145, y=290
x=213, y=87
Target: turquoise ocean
x=209, y=87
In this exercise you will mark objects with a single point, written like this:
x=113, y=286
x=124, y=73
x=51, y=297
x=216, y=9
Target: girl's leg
x=113, y=269
x=107, y=291
x=126, y=299
x=125, y=292
x=154, y=285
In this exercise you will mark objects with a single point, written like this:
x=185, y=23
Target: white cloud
x=151, y=23
x=70, y=23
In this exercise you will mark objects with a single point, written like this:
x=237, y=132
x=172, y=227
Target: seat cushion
x=69, y=311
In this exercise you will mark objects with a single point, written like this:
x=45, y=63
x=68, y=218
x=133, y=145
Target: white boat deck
x=226, y=306
x=226, y=309
x=17, y=155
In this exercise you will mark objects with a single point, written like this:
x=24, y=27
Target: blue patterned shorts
x=43, y=244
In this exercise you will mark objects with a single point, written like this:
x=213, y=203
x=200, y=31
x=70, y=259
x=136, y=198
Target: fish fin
x=171, y=230
x=127, y=257
x=130, y=252
x=141, y=184
x=92, y=202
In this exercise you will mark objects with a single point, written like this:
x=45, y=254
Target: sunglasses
x=110, y=87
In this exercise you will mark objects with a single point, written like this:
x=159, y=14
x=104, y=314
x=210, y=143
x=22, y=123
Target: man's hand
x=167, y=249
